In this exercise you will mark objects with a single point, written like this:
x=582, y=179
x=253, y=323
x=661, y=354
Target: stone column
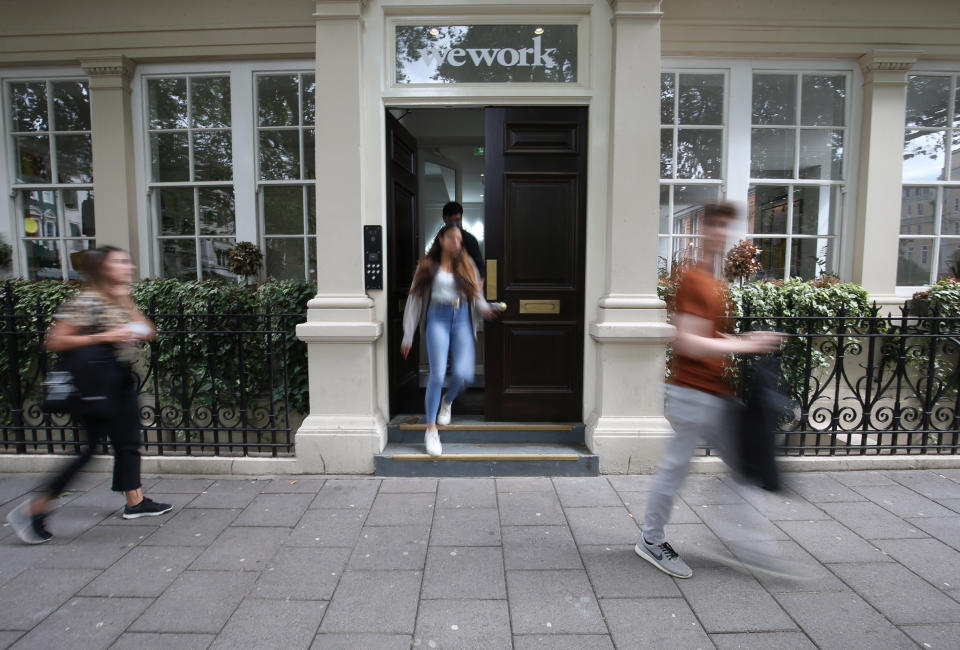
x=881, y=173
x=627, y=428
x=345, y=428
x=113, y=162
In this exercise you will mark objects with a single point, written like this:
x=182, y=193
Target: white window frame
x=243, y=129
x=951, y=71
x=11, y=227
x=737, y=145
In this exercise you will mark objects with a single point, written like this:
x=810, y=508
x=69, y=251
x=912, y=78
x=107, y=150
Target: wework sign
x=486, y=54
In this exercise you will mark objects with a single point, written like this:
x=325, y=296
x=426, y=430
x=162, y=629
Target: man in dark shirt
x=453, y=213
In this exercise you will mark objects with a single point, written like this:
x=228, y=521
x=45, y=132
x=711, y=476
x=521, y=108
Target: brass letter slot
x=539, y=306
x=491, y=279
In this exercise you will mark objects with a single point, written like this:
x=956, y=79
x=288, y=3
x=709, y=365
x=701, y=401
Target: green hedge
x=36, y=301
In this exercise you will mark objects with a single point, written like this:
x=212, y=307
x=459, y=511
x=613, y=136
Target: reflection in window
x=50, y=141
x=930, y=204
x=691, y=160
x=797, y=155
x=191, y=174
x=286, y=162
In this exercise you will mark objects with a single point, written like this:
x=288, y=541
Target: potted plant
x=244, y=260
x=742, y=262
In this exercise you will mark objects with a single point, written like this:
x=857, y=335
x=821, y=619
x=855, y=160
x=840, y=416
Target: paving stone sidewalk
x=525, y=563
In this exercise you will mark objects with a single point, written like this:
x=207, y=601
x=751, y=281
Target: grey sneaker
x=663, y=557
x=29, y=528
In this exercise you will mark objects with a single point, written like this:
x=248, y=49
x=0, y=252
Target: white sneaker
x=443, y=417
x=432, y=442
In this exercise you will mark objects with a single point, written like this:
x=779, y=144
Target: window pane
x=955, y=156
x=178, y=258
x=167, y=99
x=312, y=259
x=43, y=259
x=40, y=214
x=213, y=258
x=212, y=156
x=927, y=99
x=285, y=258
x=956, y=104
x=772, y=153
x=75, y=248
x=33, y=158
x=29, y=106
x=810, y=258
x=924, y=156
x=663, y=255
x=949, y=259
x=688, y=202
x=278, y=100
x=687, y=250
x=210, y=102
x=823, y=100
x=176, y=211
x=768, y=209
x=309, y=98
x=664, y=209
x=701, y=99
x=821, y=154
x=78, y=216
x=283, y=210
x=699, y=153
x=309, y=154
x=950, y=225
x=71, y=106
x=913, y=262
x=773, y=255
x=279, y=155
x=667, y=81
x=918, y=208
x=216, y=211
x=311, y=210
x=774, y=99
x=815, y=210
x=74, y=159
x=666, y=153
x=171, y=157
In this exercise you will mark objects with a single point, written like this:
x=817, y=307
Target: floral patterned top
x=91, y=314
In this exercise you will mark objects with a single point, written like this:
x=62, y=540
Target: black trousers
x=122, y=428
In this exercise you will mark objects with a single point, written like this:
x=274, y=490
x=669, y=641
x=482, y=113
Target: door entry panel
x=535, y=206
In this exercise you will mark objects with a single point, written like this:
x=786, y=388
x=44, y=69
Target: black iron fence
x=868, y=384
x=219, y=384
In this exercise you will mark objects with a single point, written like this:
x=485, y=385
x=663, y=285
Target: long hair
x=464, y=271
x=92, y=265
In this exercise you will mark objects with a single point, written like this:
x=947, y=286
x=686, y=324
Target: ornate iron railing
x=210, y=384
x=868, y=384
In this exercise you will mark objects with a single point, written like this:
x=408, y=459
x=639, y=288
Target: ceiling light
x=538, y=31
x=434, y=31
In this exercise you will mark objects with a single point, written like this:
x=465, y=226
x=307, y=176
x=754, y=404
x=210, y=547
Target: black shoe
x=146, y=508
x=29, y=528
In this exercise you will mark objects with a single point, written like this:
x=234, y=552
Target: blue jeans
x=448, y=327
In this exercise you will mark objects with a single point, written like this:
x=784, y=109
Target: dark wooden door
x=535, y=228
x=403, y=251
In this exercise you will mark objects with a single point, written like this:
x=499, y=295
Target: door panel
x=403, y=246
x=535, y=204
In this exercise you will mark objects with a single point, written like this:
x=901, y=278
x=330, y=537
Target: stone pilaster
x=113, y=161
x=627, y=428
x=881, y=172
x=345, y=427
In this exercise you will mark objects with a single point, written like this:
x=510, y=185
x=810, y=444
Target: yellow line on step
x=483, y=426
x=487, y=457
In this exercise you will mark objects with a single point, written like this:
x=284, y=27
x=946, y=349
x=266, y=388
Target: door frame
x=591, y=277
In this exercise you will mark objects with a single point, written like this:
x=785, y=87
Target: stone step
x=486, y=459
x=410, y=429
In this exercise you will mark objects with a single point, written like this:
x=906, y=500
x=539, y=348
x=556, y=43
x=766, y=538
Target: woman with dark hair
x=102, y=313
x=446, y=301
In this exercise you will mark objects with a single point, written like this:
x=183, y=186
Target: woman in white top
x=446, y=300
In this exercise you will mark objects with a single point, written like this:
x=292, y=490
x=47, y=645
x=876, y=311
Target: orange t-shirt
x=701, y=294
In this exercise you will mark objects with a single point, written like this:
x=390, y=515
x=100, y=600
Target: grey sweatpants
x=694, y=415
